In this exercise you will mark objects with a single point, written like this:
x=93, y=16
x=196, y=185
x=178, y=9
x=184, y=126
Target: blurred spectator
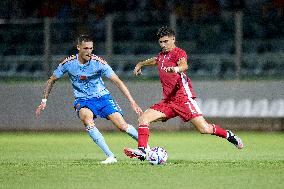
x=273, y=9
x=198, y=20
x=64, y=9
x=29, y=8
x=81, y=9
x=183, y=8
x=233, y=5
x=279, y=4
x=114, y=6
x=11, y=9
x=205, y=9
x=48, y=8
x=98, y=9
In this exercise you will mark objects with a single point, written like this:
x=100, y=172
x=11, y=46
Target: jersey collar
x=86, y=64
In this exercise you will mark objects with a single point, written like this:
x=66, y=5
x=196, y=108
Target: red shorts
x=186, y=110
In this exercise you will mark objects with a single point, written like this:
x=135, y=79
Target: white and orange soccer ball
x=157, y=156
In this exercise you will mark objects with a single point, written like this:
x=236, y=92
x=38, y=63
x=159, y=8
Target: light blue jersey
x=90, y=92
x=86, y=78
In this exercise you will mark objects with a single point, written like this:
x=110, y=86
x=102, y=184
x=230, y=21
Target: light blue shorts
x=102, y=106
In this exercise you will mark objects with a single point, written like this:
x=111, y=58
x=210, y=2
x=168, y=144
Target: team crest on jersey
x=83, y=77
x=72, y=57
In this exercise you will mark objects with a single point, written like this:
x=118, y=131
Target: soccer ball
x=157, y=156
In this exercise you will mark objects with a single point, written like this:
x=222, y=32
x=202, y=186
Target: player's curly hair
x=84, y=38
x=165, y=31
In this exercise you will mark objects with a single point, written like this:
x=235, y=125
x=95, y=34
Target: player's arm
x=149, y=62
x=48, y=86
x=122, y=87
x=181, y=67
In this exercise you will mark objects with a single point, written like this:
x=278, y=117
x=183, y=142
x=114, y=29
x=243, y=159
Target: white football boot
x=109, y=160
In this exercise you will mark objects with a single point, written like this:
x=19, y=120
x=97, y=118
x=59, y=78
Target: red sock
x=218, y=131
x=143, y=136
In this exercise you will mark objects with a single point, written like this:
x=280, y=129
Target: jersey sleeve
x=107, y=71
x=181, y=54
x=60, y=70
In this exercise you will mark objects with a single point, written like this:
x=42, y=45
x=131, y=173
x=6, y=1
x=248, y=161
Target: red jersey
x=175, y=85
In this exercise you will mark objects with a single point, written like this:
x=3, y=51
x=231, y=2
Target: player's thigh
x=201, y=124
x=86, y=116
x=117, y=119
x=150, y=115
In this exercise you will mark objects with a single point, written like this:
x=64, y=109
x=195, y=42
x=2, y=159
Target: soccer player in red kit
x=178, y=96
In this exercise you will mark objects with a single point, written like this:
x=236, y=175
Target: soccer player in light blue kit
x=92, y=98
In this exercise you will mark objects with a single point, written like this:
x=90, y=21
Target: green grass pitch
x=71, y=160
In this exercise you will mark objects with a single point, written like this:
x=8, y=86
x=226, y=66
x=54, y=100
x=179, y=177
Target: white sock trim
x=90, y=127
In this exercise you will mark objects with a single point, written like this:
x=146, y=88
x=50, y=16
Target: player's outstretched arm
x=149, y=62
x=47, y=89
x=115, y=79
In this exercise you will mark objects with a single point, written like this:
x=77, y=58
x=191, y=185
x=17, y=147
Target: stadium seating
x=210, y=45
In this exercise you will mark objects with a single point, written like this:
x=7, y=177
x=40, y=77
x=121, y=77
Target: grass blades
x=71, y=160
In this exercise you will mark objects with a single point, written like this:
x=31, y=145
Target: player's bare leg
x=205, y=128
x=86, y=116
x=201, y=125
x=144, y=121
x=118, y=121
x=121, y=124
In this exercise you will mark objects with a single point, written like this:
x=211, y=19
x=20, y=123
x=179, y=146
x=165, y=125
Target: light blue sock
x=99, y=140
x=131, y=131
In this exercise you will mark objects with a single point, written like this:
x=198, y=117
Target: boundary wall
x=19, y=101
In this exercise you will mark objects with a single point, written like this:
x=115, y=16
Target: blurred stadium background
x=235, y=48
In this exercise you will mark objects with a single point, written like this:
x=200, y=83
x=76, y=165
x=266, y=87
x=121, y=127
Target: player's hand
x=137, y=70
x=136, y=108
x=40, y=108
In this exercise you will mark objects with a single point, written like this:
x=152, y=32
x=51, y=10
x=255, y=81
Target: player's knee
x=84, y=117
x=87, y=121
x=142, y=120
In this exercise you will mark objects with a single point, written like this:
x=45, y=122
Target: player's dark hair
x=165, y=31
x=84, y=38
